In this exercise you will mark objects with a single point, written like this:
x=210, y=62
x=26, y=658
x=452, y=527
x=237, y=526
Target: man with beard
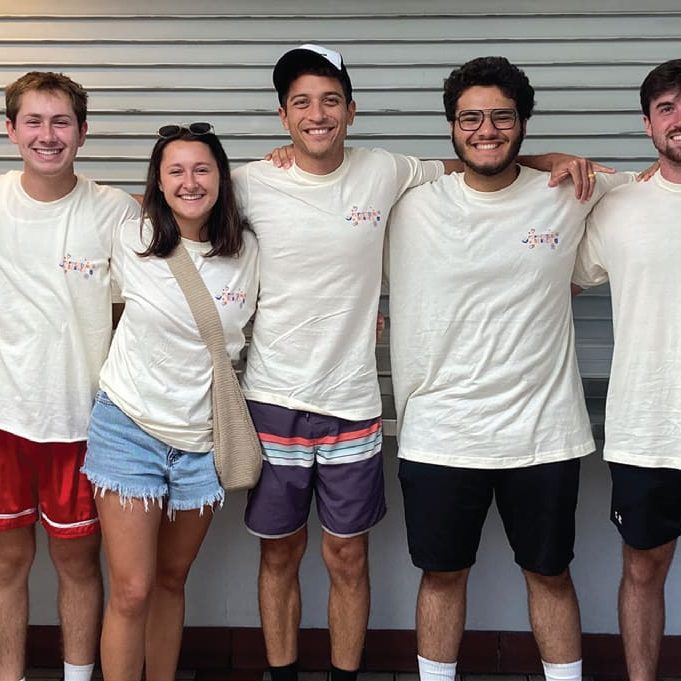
x=487, y=389
x=633, y=239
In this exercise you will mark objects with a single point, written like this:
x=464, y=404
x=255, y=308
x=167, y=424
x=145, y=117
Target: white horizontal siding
x=212, y=60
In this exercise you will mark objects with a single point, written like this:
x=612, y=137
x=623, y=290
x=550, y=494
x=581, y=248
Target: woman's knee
x=130, y=595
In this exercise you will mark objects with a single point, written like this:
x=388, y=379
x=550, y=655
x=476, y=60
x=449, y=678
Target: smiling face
x=190, y=182
x=488, y=154
x=48, y=136
x=317, y=118
x=663, y=126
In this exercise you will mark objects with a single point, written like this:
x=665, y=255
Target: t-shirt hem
x=300, y=405
x=642, y=460
x=40, y=439
x=455, y=461
x=193, y=446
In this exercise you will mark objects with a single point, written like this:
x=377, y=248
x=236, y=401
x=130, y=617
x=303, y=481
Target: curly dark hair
x=490, y=71
x=662, y=78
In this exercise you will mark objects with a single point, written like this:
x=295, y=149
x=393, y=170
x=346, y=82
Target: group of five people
x=486, y=384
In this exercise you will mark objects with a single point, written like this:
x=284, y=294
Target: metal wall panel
x=212, y=60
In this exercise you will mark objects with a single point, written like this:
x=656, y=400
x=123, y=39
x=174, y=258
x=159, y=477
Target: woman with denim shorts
x=150, y=442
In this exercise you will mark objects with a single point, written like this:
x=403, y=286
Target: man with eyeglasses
x=56, y=235
x=311, y=376
x=488, y=394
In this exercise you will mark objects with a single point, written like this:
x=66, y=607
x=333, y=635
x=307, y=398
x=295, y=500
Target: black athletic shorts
x=445, y=509
x=646, y=504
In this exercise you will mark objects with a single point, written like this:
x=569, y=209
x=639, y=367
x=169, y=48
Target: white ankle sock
x=78, y=672
x=571, y=671
x=429, y=670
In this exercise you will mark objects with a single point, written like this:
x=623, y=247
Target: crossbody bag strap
x=202, y=306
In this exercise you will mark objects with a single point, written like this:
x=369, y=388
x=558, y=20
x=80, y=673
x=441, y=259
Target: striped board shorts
x=339, y=460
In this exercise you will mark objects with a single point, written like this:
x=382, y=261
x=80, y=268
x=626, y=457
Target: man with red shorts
x=56, y=231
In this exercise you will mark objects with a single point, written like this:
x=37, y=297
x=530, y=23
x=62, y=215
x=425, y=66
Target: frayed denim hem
x=216, y=500
x=126, y=496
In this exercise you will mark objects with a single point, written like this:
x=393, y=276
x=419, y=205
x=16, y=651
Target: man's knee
x=283, y=555
x=551, y=585
x=647, y=567
x=76, y=559
x=17, y=551
x=448, y=582
x=346, y=558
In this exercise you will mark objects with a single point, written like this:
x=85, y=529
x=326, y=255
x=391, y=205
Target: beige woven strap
x=206, y=317
x=200, y=301
x=237, y=451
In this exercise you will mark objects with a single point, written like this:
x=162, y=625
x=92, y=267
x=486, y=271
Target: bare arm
x=646, y=174
x=582, y=171
x=561, y=166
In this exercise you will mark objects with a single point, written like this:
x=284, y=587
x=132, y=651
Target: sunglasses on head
x=198, y=128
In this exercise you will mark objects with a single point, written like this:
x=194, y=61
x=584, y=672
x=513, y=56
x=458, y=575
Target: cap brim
x=294, y=61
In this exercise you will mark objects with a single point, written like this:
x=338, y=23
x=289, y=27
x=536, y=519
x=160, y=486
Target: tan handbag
x=236, y=447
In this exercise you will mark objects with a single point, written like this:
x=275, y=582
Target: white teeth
x=317, y=131
x=191, y=197
x=485, y=147
x=676, y=138
x=47, y=152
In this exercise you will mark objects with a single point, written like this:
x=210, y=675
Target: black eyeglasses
x=472, y=119
x=198, y=128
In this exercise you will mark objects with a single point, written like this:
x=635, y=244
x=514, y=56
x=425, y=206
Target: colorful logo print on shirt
x=534, y=240
x=370, y=215
x=227, y=296
x=82, y=265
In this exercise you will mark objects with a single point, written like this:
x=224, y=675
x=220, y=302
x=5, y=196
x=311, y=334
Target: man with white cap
x=311, y=374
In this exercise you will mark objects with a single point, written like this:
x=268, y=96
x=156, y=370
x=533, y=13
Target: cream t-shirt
x=159, y=371
x=321, y=242
x=55, y=305
x=633, y=238
x=482, y=340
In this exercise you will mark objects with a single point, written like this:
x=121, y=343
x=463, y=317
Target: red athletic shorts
x=44, y=478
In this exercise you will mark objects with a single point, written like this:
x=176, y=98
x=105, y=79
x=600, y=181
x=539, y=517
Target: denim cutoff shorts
x=123, y=458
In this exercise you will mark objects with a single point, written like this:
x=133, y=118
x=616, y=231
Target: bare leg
x=441, y=614
x=641, y=607
x=130, y=539
x=279, y=596
x=554, y=616
x=347, y=561
x=178, y=544
x=79, y=598
x=17, y=550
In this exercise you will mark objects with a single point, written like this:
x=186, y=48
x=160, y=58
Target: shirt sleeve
x=130, y=213
x=607, y=181
x=589, y=269
x=240, y=184
x=117, y=258
x=412, y=172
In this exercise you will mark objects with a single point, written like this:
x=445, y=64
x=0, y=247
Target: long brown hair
x=224, y=225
